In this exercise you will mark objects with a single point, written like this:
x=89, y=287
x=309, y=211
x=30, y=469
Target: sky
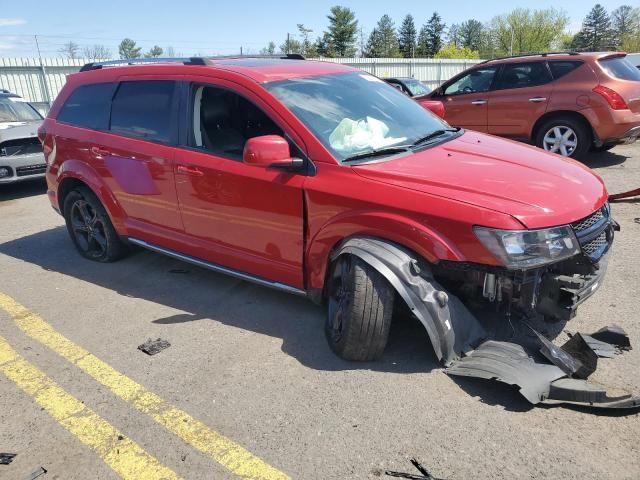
x=207, y=28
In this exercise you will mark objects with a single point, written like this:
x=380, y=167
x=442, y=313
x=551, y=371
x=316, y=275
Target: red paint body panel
x=435, y=106
x=283, y=226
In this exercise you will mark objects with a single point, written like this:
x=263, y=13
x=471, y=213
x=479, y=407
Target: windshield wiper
x=435, y=134
x=379, y=152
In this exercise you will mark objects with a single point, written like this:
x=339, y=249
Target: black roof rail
x=186, y=61
x=4, y=90
x=135, y=61
x=532, y=54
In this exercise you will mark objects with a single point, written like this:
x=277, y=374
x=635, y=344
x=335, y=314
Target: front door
x=466, y=99
x=239, y=216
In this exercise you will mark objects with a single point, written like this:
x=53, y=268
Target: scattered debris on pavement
x=39, y=472
x=151, y=347
x=563, y=380
x=425, y=475
x=6, y=458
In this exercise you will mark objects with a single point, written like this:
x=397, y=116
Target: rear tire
x=90, y=228
x=564, y=135
x=359, y=311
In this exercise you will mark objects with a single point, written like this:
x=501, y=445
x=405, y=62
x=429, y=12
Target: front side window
x=143, y=109
x=620, y=67
x=478, y=80
x=521, y=75
x=223, y=121
x=88, y=106
x=355, y=112
x=15, y=109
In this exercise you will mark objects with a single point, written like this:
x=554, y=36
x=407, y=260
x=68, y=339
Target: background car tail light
x=612, y=97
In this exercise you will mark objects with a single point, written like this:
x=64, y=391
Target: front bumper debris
x=563, y=381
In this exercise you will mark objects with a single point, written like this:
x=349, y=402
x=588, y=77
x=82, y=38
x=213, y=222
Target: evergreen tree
x=155, y=52
x=383, y=41
x=422, y=44
x=596, y=33
x=407, y=37
x=128, y=49
x=343, y=28
x=471, y=33
x=435, y=30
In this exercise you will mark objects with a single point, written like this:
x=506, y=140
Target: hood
x=539, y=189
x=14, y=130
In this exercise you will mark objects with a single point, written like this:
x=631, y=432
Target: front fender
x=81, y=171
x=452, y=329
x=398, y=229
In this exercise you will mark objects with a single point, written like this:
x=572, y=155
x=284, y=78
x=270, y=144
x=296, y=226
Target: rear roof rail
x=185, y=61
x=532, y=54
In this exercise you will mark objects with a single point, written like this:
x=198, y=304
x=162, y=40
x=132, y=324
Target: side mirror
x=270, y=151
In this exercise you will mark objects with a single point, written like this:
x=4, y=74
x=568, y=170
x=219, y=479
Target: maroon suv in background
x=566, y=103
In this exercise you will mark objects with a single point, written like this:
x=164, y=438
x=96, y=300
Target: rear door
x=466, y=98
x=138, y=156
x=246, y=218
x=521, y=94
x=622, y=77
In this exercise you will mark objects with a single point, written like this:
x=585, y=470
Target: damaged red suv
x=320, y=180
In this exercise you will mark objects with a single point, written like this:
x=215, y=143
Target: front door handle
x=193, y=171
x=538, y=99
x=478, y=102
x=100, y=151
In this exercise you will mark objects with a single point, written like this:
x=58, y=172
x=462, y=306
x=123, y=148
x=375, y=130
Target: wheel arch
x=560, y=113
x=74, y=174
x=452, y=329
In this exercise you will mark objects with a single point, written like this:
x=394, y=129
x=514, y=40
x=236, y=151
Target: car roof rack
x=532, y=54
x=185, y=61
x=4, y=90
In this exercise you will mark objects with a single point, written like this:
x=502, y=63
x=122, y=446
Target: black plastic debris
x=559, y=357
x=601, y=349
x=580, y=349
x=7, y=458
x=151, y=347
x=614, y=335
x=425, y=475
x=39, y=472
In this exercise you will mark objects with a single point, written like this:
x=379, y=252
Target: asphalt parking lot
x=249, y=388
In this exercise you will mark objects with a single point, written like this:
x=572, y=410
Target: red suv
x=565, y=103
x=323, y=181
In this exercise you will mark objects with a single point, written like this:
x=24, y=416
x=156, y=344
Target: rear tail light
x=612, y=97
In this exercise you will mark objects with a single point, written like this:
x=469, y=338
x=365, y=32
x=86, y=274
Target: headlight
x=521, y=249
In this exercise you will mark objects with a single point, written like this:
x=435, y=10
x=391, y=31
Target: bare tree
x=70, y=50
x=96, y=52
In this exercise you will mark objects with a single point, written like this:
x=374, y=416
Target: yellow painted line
x=223, y=450
x=124, y=456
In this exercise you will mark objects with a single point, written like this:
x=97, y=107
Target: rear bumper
x=22, y=167
x=613, y=127
x=630, y=136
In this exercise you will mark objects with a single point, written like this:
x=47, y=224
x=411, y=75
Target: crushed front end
x=554, y=289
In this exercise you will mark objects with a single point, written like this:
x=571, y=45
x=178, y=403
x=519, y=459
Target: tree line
x=520, y=31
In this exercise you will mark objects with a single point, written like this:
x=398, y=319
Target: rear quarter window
x=144, y=109
x=620, y=67
x=88, y=106
x=559, y=68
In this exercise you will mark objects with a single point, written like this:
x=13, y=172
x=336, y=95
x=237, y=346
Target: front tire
x=565, y=136
x=359, y=311
x=90, y=227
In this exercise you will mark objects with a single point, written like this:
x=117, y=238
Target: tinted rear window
x=620, y=67
x=143, y=109
x=520, y=75
x=559, y=68
x=88, y=106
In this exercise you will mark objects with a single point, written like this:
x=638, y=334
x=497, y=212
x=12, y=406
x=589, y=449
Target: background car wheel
x=359, y=311
x=565, y=136
x=90, y=227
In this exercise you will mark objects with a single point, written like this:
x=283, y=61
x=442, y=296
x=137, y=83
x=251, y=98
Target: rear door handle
x=194, y=172
x=100, y=151
x=478, y=102
x=538, y=99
